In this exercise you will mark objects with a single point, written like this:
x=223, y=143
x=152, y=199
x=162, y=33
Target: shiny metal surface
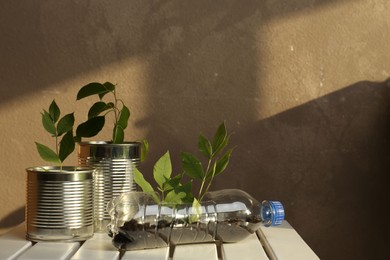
x=59, y=203
x=113, y=176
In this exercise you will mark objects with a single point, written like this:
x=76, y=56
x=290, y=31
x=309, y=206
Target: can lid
x=277, y=212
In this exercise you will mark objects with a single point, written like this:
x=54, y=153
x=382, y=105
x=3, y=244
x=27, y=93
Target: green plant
x=57, y=127
x=171, y=188
x=97, y=113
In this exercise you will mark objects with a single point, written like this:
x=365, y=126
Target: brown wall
x=301, y=83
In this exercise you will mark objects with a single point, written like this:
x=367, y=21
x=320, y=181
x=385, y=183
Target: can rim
x=60, y=169
x=108, y=143
x=57, y=173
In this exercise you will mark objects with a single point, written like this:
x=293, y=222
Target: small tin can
x=59, y=204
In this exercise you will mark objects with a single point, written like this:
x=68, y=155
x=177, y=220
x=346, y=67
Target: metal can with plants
x=59, y=203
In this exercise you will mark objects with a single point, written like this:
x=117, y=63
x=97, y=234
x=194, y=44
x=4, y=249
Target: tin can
x=114, y=175
x=59, y=204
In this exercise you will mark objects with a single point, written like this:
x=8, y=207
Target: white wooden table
x=281, y=242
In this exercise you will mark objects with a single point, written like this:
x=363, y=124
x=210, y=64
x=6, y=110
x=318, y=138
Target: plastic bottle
x=229, y=215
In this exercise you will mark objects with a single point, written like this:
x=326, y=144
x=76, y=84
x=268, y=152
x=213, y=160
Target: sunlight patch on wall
x=318, y=51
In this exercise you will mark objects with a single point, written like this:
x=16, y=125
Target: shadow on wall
x=328, y=161
x=14, y=218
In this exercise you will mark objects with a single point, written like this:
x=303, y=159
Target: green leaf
x=140, y=180
x=54, y=111
x=47, y=154
x=65, y=124
x=192, y=166
x=110, y=87
x=48, y=123
x=144, y=150
x=91, y=127
x=220, y=139
x=145, y=185
x=91, y=89
x=124, y=116
x=204, y=146
x=186, y=188
x=118, y=135
x=171, y=183
x=98, y=108
x=162, y=170
x=77, y=139
x=196, y=211
x=174, y=197
x=223, y=162
x=67, y=146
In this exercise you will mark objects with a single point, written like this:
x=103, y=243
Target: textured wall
x=301, y=83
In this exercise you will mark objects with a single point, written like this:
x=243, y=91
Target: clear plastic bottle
x=229, y=215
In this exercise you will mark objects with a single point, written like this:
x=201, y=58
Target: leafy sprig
x=171, y=188
x=63, y=127
x=97, y=113
x=57, y=127
x=216, y=164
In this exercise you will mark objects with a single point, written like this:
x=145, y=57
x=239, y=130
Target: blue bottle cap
x=277, y=212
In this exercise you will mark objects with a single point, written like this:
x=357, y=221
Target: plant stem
x=204, y=180
x=201, y=188
x=115, y=106
x=56, y=138
x=208, y=186
x=115, y=113
x=57, y=144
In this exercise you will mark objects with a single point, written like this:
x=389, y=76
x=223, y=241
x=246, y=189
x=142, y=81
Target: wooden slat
x=247, y=249
x=50, y=250
x=196, y=252
x=284, y=243
x=11, y=249
x=13, y=243
x=99, y=247
x=149, y=254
